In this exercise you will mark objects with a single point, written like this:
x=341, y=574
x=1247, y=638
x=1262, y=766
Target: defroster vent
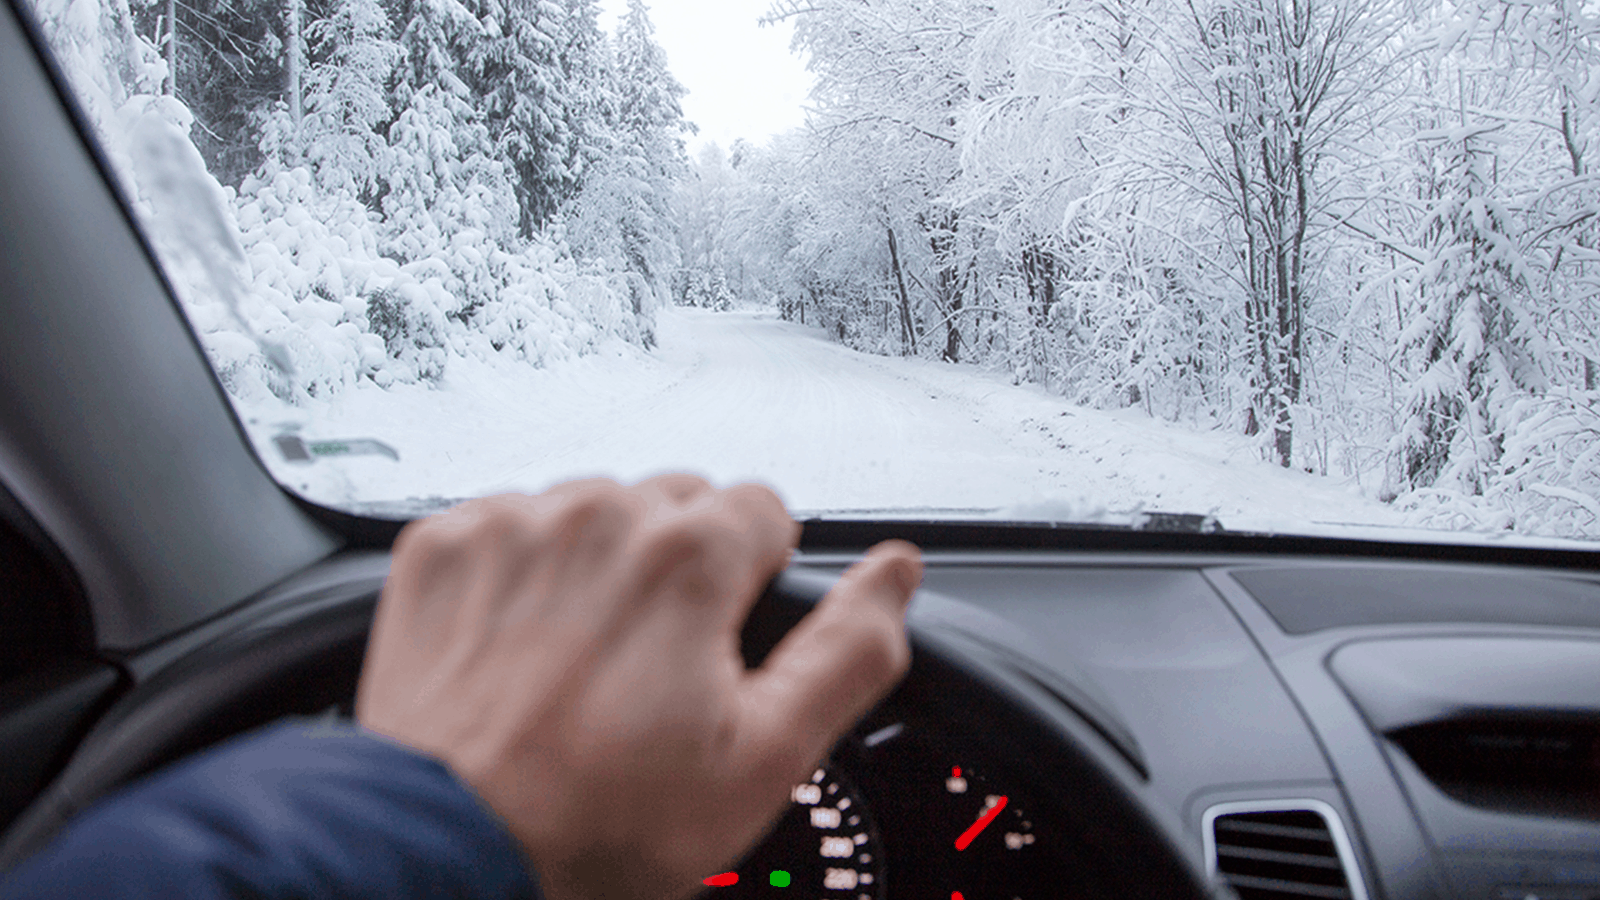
x=1275, y=850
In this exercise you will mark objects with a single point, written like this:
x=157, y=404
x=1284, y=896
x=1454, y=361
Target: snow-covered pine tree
x=442, y=151
x=591, y=108
x=346, y=105
x=435, y=35
x=444, y=179
x=625, y=212
x=515, y=72
x=536, y=71
x=1471, y=344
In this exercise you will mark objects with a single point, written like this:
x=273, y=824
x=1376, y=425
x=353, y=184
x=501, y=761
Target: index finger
x=768, y=536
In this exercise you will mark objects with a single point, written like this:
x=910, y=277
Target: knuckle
x=677, y=557
x=498, y=518
x=755, y=500
x=437, y=534
x=680, y=487
x=875, y=646
x=507, y=535
x=901, y=573
x=427, y=557
x=596, y=521
x=759, y=514
x=558, y=497
x=602, y=507
x=681, y=538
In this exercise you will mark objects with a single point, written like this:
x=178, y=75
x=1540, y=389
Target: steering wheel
x=305, y=659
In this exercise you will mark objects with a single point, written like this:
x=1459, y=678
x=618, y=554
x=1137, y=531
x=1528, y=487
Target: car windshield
x=1283, y=266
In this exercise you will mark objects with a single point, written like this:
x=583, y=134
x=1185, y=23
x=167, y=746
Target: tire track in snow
x=775, y=401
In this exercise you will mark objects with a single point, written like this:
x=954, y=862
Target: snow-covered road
x=745, y=396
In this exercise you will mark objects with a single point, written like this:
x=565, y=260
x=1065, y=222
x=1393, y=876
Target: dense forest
x=352, y=190
x=1362, y=232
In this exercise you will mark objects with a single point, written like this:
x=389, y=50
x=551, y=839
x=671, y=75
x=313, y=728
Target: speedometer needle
x=966, y=838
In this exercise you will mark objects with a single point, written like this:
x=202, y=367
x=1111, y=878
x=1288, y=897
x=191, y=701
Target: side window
x=51, y=687
x=43, y=616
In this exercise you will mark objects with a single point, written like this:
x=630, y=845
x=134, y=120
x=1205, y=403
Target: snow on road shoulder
x=1125, y=461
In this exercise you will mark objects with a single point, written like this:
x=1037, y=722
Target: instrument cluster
x=909, y=808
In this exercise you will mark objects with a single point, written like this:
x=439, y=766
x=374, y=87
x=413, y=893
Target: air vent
x=1276, y=850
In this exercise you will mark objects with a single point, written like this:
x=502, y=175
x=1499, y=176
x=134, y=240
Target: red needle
x=965, y=840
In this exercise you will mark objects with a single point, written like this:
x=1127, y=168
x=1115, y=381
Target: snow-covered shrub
x=312, y=260
x=412, y=329
x=1550, y=465
x=1547, y=481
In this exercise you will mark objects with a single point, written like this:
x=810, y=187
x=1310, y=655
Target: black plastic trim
x=43, y=572
x=825, y=535
x=359, y=532
x=43, y=715
x=1306, y=599
x=852, y=536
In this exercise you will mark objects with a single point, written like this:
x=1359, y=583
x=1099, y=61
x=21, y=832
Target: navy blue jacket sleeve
x=301, y=809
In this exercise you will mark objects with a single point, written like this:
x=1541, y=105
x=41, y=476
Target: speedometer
x=991, y=841
x=826, y=845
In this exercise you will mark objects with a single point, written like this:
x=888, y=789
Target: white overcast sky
x=743, y=80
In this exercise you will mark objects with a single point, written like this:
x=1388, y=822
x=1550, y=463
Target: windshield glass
x=1290, y=266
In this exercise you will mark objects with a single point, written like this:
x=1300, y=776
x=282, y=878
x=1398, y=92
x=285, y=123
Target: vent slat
x=1279, y=853
x=1228, y=823
x=1282, y=856
x=1290, y=888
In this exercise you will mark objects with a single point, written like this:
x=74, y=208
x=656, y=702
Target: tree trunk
x=1038, y=272
x=294, y=62
x=172, y=48
x=947, y=285
x=908, y=335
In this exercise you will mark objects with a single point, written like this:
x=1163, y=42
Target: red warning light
x=956, y=895
x=723, y=880
x=955, y=772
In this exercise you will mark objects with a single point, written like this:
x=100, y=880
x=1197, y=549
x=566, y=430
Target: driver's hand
x=574, y=657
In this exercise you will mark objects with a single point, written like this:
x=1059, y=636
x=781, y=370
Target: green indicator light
x=779, y=878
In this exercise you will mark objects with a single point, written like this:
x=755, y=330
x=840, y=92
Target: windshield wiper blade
x=1177, y=523
x=1150, y=520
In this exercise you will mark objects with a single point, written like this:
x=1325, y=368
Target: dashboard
x=1309, y=727
x=1079, y=724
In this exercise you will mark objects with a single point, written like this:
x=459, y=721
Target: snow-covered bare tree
x=1265, y=91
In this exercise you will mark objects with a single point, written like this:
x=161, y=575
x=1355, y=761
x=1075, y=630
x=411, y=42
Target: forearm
x=298, y=810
